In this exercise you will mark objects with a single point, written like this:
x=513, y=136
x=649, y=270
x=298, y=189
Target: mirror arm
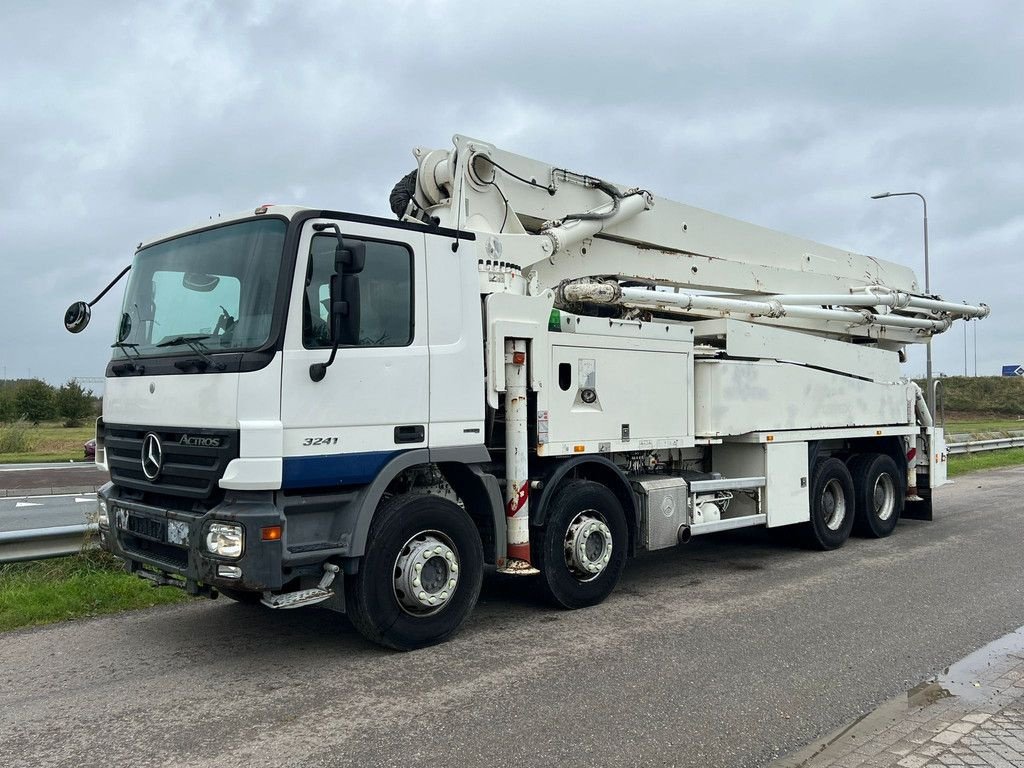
x=317, y=371
x=112, y=283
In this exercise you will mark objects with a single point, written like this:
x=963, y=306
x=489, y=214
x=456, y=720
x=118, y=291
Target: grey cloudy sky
x=120, y=121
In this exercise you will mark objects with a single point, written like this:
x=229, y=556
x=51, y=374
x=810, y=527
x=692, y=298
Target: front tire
x=582, y=548
x=832, y=506
x=879, y=491
x=420, y=577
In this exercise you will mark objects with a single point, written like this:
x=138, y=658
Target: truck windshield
x=215, y=288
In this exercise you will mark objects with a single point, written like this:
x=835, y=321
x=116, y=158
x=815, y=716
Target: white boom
x=564, y=229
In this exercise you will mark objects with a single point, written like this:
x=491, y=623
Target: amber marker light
x=271, y=533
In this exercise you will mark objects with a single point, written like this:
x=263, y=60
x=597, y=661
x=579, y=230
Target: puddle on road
x=964, y=679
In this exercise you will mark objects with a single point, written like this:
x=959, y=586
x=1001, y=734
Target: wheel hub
x=833, y=503
x=426, y=573
x=884, y=497
x=588, y=546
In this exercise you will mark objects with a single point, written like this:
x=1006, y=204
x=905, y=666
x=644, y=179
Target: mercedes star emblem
x=152, y=456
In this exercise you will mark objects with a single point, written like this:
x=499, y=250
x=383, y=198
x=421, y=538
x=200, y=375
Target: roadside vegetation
x=88, y=584
x=39, y=422
x=964, y=463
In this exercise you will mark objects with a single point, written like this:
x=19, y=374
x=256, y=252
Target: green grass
x=962, y=426
x=962, y=463
x=49, y=441
x=88, y=584
x=993, y=396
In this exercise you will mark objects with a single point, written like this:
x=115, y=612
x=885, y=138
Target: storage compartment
x=609, y=398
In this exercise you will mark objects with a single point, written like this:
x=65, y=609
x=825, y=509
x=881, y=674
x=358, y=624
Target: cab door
x=374, y=401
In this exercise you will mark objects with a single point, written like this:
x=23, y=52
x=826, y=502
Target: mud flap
x=920, y=509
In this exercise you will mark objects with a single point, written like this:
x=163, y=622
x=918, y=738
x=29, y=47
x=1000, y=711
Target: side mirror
x=349, y=257
x=344, y=309
x=77, y=317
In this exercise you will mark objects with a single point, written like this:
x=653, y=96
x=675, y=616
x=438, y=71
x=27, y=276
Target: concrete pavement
x=731, y=651
x=971, y=714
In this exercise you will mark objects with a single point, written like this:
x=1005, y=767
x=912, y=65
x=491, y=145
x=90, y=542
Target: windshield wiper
x=125, y=346
x=127, y=366
x=195, y=343
x=190, y=340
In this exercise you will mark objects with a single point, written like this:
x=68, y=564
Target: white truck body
x=539, y=370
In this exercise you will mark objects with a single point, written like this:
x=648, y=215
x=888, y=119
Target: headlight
x=101, y=513
x=225, y=539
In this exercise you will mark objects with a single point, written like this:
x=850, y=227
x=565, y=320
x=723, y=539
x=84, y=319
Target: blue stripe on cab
x=336, y=469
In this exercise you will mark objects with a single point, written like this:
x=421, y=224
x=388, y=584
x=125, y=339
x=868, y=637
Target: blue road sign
x=1013, y=370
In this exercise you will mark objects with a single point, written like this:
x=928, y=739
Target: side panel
x=733, y=397
x=786, y=498
x=637, y=396
x=765, y=342
x=456, y=344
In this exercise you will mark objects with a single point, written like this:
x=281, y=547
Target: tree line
x=35, y=401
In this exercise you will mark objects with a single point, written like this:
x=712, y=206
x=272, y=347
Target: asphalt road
x=69, y=477
x=18, y=513
x=728, y=652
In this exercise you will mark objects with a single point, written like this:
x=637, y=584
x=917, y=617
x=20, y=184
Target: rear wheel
x=832, y=506
x=421, y=574
x=878, y=487
x=581, y=550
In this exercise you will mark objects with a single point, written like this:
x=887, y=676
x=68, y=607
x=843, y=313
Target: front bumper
x=140, y=534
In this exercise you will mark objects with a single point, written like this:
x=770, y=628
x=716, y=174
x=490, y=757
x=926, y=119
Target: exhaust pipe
x=684, y=534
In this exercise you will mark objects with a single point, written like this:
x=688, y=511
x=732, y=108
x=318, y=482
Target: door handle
x=411, y=433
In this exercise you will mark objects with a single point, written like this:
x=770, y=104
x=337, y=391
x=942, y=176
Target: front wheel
x=421, y=574
x=581, y=550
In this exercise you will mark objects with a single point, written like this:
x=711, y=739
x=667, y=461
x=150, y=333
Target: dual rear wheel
x=866, y=495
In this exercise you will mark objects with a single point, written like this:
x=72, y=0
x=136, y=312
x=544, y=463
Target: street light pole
x=930, y=393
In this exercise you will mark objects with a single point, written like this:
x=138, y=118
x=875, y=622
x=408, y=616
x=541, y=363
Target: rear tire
x=581, y=550
x=832, y=506
x=879, y=492
x=420, y=577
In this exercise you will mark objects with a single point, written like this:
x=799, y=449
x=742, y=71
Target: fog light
x=224, y=539
x=229, y=571
x=102, y=517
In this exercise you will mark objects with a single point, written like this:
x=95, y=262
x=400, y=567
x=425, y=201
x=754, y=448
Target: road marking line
x=78, y=499
x=21, y=504
x=55, y=466
x=47, y=496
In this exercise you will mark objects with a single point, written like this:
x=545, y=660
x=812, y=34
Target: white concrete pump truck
x=530, y=368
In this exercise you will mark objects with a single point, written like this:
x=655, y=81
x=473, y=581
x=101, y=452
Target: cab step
x=298, y=599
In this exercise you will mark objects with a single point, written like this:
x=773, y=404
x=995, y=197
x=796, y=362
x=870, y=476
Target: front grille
x=144, y=526
x=176, y=557
x=188, y=470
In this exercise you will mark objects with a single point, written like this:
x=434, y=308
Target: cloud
x=121, y=121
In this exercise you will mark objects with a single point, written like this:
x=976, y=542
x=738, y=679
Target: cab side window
x=385, y=295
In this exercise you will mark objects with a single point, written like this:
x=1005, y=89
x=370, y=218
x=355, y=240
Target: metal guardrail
x=974, y=446
x=40, y=543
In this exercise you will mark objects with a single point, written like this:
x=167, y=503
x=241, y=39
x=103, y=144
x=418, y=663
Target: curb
x=860, y=731
x=57, y=490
